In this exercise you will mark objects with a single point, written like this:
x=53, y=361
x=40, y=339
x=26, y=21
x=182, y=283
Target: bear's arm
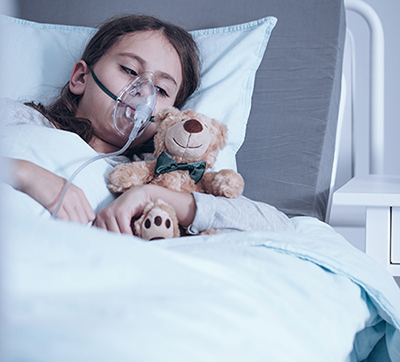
x=128, y=175
x=227, y=183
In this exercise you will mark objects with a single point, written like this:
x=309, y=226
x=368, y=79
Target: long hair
x=63, y=110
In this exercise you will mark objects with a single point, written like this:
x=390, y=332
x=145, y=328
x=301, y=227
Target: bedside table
x=381, y=196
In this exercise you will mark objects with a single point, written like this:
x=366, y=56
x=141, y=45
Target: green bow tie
x=165, y=163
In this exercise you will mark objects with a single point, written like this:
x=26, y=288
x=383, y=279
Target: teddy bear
x=186, y=146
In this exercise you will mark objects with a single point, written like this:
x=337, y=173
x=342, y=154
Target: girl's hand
x=118, y=215
x=46, y=187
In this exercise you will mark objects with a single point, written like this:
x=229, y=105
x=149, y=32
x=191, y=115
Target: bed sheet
x=75, y=293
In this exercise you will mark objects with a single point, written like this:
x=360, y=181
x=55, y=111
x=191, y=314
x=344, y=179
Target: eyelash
x=162, y=92
x=159, y=90
x=129, y=71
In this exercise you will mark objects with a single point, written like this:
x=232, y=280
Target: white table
x=381, y=196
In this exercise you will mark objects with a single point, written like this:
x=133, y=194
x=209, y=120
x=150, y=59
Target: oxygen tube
x=131, y=114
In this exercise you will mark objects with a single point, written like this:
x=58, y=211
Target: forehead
x=145, y=40
x=153, y=48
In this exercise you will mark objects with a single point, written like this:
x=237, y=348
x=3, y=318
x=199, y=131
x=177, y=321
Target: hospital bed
x=272, y=71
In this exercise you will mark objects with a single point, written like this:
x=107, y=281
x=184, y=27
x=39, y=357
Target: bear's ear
x=165, y=113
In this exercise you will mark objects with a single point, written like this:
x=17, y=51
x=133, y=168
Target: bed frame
x=347, y=154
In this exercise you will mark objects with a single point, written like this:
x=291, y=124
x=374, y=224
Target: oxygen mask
x=134, y=106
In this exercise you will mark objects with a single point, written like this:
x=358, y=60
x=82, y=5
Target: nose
x=136, y=91
x=193, y=126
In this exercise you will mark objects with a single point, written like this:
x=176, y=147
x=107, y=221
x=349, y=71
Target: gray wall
x=75, y=12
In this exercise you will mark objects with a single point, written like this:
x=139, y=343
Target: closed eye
x=162, y=92
x=129, y=71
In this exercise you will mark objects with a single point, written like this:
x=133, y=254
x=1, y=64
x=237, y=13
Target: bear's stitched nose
x=193, y=126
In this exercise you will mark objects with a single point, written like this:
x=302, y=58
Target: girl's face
x=130, y=56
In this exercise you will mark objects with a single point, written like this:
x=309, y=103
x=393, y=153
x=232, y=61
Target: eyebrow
x=143, y=63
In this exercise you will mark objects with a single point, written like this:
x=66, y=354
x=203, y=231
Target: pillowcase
x=36, y=61
x=230, y=58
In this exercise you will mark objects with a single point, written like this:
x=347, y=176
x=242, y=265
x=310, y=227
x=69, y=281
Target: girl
x=120, y=50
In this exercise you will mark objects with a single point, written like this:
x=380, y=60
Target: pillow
x=230, y=59
x=36, y=61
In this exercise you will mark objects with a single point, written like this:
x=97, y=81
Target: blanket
x=76, y=293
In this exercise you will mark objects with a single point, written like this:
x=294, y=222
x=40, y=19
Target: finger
x=112, y=225
x=62, y=215
x=86, y=214
x=99, y=223
x=118, y=224
x=67, y=213
x=79, y=208
x=89, y=213
x=124, y=224
x=77, y=215
x=106, y=220
x=73, y=208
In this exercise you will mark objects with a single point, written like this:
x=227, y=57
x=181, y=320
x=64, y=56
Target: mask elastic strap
x=103, y=87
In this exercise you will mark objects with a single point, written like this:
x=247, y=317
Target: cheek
x=151, y=130
x=163, y=103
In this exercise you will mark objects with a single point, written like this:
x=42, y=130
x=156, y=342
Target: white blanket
x=75, y=293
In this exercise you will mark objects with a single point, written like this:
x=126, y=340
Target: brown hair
x=62, y=111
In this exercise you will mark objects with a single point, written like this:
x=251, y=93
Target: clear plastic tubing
x=140, y=119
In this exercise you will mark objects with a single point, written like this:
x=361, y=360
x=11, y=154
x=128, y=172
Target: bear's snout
x=187, y=139
x=193, y=126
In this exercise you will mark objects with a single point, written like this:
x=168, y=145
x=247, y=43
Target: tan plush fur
x=187, y=136
x=146, y=227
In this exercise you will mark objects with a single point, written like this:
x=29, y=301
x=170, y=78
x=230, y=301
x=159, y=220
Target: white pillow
x=230, y=58
x=36, y=61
